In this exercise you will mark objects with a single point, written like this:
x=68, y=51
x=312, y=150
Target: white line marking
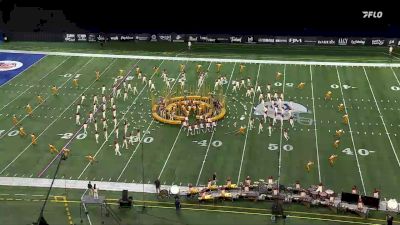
x=381, y=116
x=193, y=59
x=351, y=133
x=247, y=128
x=395, y=75
x=172, y=148
x=315, y=125
x=280, y=137
x=208, y=148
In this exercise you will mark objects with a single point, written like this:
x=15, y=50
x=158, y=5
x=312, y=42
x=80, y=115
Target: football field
x=368, y=153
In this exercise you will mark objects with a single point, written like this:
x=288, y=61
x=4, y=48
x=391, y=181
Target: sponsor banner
x=326, y=41
x=249, y=40
x=124, y=37
x=101, y=37
x=193, y=38
x=343, y=41
x=310, y=40
x=114, y=37
x=92, y=38
x=281, y=40
x=265, y=40
x=391, y=41
x=236, y=39
x=222, y=38
x=206, y=38
x=295, y=40
x=178, y=38
x=81, y=37
x=165, y=37
x=377, y=41
x=142, y=37
x=357, y=41
x=70, y=37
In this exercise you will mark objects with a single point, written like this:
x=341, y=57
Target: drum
x=323, y=195
x=174, y=189
x=392, y=204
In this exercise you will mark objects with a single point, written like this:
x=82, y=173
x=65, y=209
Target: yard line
x=395, y=75
x=140, y=142
x=381, y=116
x=247, y=128
x=280, y=138
x=351, y=132
x=26, y=148
x=212, y=135
x=76, y=133
x=33, y=85
x=84, y=206
x=172, y=148
x=46, y=98
x=23, y=71
x=315, y=125
x=128, y=109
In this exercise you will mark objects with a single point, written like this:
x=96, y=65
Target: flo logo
x=8, y=65
x=372, y=14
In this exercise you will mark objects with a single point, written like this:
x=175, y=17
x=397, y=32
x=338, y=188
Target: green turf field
x=367, y=155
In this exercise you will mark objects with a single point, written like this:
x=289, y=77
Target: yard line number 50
x=274, y=147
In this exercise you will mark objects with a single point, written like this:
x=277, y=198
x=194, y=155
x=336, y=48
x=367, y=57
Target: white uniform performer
x=260, y=127
x=82, y=98
x=234, y=86
x=77, y=119
x=91, y=117
x=248, y=93
x=115, y=122
x=251, y=124
x=125, y=143
x=95, y=125
x=269, y=96
x=153, y=88
x=105, y=134
x=94, y=107
x=285, y=134
x=190, y=130
x=214, y=125
x=78, y=107
x=103, y=113
x=111, y=101
x=126, y=125
x=131, y=138
x=129, y=87
x=95, y=100
x=135, y=91
x=268, y=87
x=144, y=80
x=291, y=121
x=104, y=123
x=260, y=97
x=248, y=82
x=258, y=90
x=116, y=149
x=269, y=130
x=85, y=127
x=125, y=95
x=196, y=129
x=116, y=131
x=96, y=136
x=104, y=100
x=242, y=84
x=103, y=89
x=118, y=92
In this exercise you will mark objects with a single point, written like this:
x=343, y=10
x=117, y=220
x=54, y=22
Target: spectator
x=95, y=192
x=90, y=188
x=158, y=185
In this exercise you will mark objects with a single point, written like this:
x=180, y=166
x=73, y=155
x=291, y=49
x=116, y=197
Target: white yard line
x=212, y=135
x=26, y=148
x=33, y=85
x=170, y=151
x=84, y=206
x=250, y=61
x=381, y=116
x=280, y=138
x=351, y=132
x=140, y=142
x=23, y=70
x=247, y=128
x=130, y=106
x=395, y=75
x=315, y=124
x=62, y=85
